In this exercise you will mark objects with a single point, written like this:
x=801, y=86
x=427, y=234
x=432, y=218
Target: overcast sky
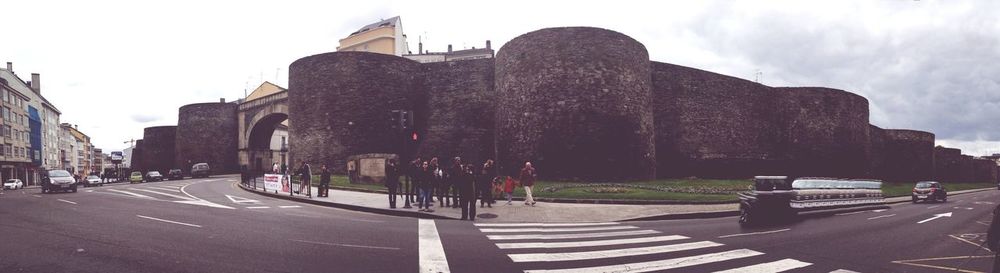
x=115, y=67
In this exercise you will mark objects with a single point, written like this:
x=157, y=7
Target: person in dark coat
x=484, y=183
x=392, y=181
x=527, y=177
x=412, y=171
x=424, y=177
x=305, y=176
x=467, y=192
x=437, y=175
x=450, y=188
x=324, y=182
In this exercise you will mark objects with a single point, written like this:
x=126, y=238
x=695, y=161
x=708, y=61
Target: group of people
x=457, y=185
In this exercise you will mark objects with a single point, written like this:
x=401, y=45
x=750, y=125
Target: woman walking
x=527, y=178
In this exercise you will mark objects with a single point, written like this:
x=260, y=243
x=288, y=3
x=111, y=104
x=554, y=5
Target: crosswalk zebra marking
x=591, y=243
x=614, y=253
x=776, y=266
x=659, y=265
x=570, y=236
x=543, y=224
x=513, y=230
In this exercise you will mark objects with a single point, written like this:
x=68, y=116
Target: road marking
x=935, y=217
x=432, y=256
x=965, y=208
x=345, y=245
x=90, y=190
x=131, y=194
x=755, y=233
x=168, y=221
x=204, y=203
x=931, y=207
x=661, y=264
x=501, y=230
x=776, y=266
x=843, y=271
x=35, y=195
x=166, y=194
x=591, y=243
x=883, y=216
x=238, y=200
x=614, y=253
x=289, y=207
x=570, y=236
x=850, y=213
x=983, y=223
x=542, y=224
x=957, y=258
x=260, y=207
x=982, y=203
x=67, y=201
x=879, y=210
x=162, y=188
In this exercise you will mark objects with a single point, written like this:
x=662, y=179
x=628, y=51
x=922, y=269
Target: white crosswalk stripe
x=601, y=243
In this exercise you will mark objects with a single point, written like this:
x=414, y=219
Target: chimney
x=10, y=67
x=36, y=83
x=488, y=44
x=449, y=48
x=222, y=100
x=420, y=48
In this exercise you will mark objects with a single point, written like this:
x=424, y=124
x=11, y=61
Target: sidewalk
x=517, y=212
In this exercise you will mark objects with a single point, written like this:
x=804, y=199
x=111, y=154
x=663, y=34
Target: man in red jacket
x=527, y=178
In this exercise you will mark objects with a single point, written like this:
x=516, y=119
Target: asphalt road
x=209, y=225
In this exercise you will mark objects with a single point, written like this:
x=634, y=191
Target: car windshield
x=924, y=185
x=93, y=177
x=59, y=173
x=136, y=174
x=154, y=173
x=11, y=181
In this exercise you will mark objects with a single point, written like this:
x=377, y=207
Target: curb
x=386, y=211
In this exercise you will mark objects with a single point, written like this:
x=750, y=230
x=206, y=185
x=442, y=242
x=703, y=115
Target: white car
x=92, y=180
x=13, y=184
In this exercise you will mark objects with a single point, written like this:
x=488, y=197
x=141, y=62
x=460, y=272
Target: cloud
x=145, y=118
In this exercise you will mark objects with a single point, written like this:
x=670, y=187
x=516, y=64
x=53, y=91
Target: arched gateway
x=263, y=128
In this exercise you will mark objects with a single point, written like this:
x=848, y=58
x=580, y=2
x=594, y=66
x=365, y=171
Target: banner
x=276, y=182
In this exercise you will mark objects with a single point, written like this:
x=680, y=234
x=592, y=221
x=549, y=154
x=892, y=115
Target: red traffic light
x=414, y=136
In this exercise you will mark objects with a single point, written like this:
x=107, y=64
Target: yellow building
x=385, y=36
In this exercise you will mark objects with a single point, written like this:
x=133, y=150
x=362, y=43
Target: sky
x=116, y=67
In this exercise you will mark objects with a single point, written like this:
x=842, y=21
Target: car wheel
x=914, y=200
x=44, y=189
x=745, y=218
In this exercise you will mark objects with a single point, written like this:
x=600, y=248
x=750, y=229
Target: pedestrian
x=412, y=172
x=484, y=184
x=467, y=192
x=275, y=169
x=392, y=181
x=324, y=182
x=508, y=188
x=437, y=175
x=306, y=178
x=527, y=178
x=350, y=171
x=450, y=185
x=424, y=184
x=993, y=238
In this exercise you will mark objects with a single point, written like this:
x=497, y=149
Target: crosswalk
x=616, y=247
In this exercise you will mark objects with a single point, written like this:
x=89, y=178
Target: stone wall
x=876, y=155
x=577, y=103
x=137, y=157
x=339, y=105
x=826, y=131
x=947, y=164
x=457, y=116
x=966, y=169
x=909, y=156
x=984, y=170
x=207, y=133
x=158, y=148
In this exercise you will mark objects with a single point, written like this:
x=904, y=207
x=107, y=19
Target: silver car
x=58, y=180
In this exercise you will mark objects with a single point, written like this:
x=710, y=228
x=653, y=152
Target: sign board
x=276, y=182
x=373, y=167
x=116, y=157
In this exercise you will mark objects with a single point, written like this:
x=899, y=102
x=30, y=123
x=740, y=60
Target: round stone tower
x=207, y=133
x=158, y=154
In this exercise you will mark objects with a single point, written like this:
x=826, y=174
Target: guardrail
x=775, y=198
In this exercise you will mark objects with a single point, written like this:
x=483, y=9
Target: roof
x=265, y=89
x=391, y=22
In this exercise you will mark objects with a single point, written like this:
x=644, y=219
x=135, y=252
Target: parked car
x=175, y=174
x=135, y=177
x=92, y=180
x=200, y=170
x=929, y=191
x=153, y=176
x=60, y=180
x=13, y=184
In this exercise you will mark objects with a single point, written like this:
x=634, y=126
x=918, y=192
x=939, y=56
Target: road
x=209, y=225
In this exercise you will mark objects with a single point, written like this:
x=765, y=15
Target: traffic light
x=394, y=119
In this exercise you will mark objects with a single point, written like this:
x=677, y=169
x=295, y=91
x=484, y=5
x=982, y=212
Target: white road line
x=592, y=243
x=843, y=271
x=238, y=200
x=777, y=266
x=131, y=194
x=850, y=213
x=289, y=207
x=661, y=264
x=204, y=203
x=168, y=221
x=570, y=236
x=613, y=253
x=166, y=194
x=67, y=201
x=35, y=195
x=542, y=224
x=879, y=210
x=259, y=207
x=162, y=188
x=883, y=216
x=501, y=230
x=346, y=245
x=432, y=256
x=754, y=233
x=90, y=190
x=931, y=207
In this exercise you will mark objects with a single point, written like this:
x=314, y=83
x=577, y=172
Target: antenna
x=758, y=76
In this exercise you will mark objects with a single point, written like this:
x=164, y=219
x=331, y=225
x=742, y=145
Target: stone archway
x=258, y=120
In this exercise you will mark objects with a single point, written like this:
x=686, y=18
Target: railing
x=264, y=100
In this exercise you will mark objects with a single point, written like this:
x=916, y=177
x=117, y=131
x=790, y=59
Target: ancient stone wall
x=712, y=125
x=826, y=131
x=207, y=133
x=966, y=169
x=947, y=164
x=909, y=156
x=137, y=158
x=984, y=170
x=457, y=118
x=577, y=103
x=339, y=105
x=158, y=148
x=876, y=155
